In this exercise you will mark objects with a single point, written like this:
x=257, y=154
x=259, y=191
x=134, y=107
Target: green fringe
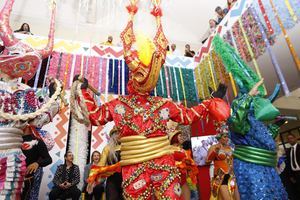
x=243, y=75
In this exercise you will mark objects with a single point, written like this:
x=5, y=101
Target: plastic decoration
x=251, y=52
x=199, y=82
x=156, y=11
x=132, y=9
x=267, y=21
x=287, y=38
x=271, y=54
x=183, y=87
x=244, y=76
x=240, y=42
x=290, y=9
x=282, y=12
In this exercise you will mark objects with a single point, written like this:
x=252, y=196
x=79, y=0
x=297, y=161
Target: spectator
x=110, y=156
x=230, y=3
x=99, y=188
x=109, y=41
x=175, y=51
x=212, y=26
x=37, y=157
x=25, y=29
x=293, y=166
x=221, y=13
x=188, y=51
x=65, y=180
x=168, y=50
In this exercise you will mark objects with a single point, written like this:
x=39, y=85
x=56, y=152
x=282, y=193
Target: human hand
x=32, y=168
x=63, y=185
x=217, y=148
x=90, y=188
x=67, y=185
x=254, y=91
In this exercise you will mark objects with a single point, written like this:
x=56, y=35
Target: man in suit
x=293, y=164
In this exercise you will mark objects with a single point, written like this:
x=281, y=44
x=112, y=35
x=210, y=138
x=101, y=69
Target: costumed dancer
x=185, y=163
x=255, y=148
x=110, y=159
x=19, y=104
x=223, y=184
x=148, y=165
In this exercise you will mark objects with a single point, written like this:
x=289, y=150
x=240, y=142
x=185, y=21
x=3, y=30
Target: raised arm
x=84, y=108
x=98, y=115
x=215, y=108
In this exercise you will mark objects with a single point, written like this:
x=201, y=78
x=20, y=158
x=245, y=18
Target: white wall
x=184, y=21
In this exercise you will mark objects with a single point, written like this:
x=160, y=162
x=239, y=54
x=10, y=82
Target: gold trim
x=142, y=138
x=150, y=149
x=196, y=113
x=139, y=149
x=136, y=147
x=144, y=159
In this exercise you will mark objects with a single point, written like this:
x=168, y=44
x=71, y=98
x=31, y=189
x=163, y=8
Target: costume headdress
x=21, y=60
x=143, y=76
x=222, y=130
x=243, y=75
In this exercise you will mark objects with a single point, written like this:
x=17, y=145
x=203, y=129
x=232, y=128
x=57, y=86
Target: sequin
x=255, y=181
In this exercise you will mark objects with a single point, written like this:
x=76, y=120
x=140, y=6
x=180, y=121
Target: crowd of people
x=221, y=13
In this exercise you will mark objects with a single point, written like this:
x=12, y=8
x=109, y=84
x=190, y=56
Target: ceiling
x=92, y=20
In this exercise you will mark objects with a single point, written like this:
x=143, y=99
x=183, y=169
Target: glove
x=220, y=93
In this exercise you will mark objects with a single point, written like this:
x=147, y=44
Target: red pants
x=158, y=177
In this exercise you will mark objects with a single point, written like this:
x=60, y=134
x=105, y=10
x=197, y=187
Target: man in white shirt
x=175, y=51
x=293, y=163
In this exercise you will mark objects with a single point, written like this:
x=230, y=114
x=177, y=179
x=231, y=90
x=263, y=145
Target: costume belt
x=10, y=138
x=138, y=149
x=255, y=155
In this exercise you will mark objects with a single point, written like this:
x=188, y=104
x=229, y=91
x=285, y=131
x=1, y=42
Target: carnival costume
x=19, y=104
x=255, y=148
x=185, y=163
x=223, y=167
x=148, y=166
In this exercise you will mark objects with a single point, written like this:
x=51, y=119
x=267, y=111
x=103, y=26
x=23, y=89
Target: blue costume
x=257, y=178
x=255, y=149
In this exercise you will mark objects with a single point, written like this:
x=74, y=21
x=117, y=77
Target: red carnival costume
x=148, y=165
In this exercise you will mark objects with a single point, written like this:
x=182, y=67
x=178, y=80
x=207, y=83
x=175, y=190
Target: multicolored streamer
x=251, y=52
x=183, y=88
x=287, y=38
x=266, y=18
x=291, y=11
x=272, y=56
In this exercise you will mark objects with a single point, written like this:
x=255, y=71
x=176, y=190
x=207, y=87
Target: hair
x=112, y=143
x=67, y=153
x=291, y=134
x=186, y=145
x=94, y=153
x=213, y=21
x=218, y=8
x=22, y=27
